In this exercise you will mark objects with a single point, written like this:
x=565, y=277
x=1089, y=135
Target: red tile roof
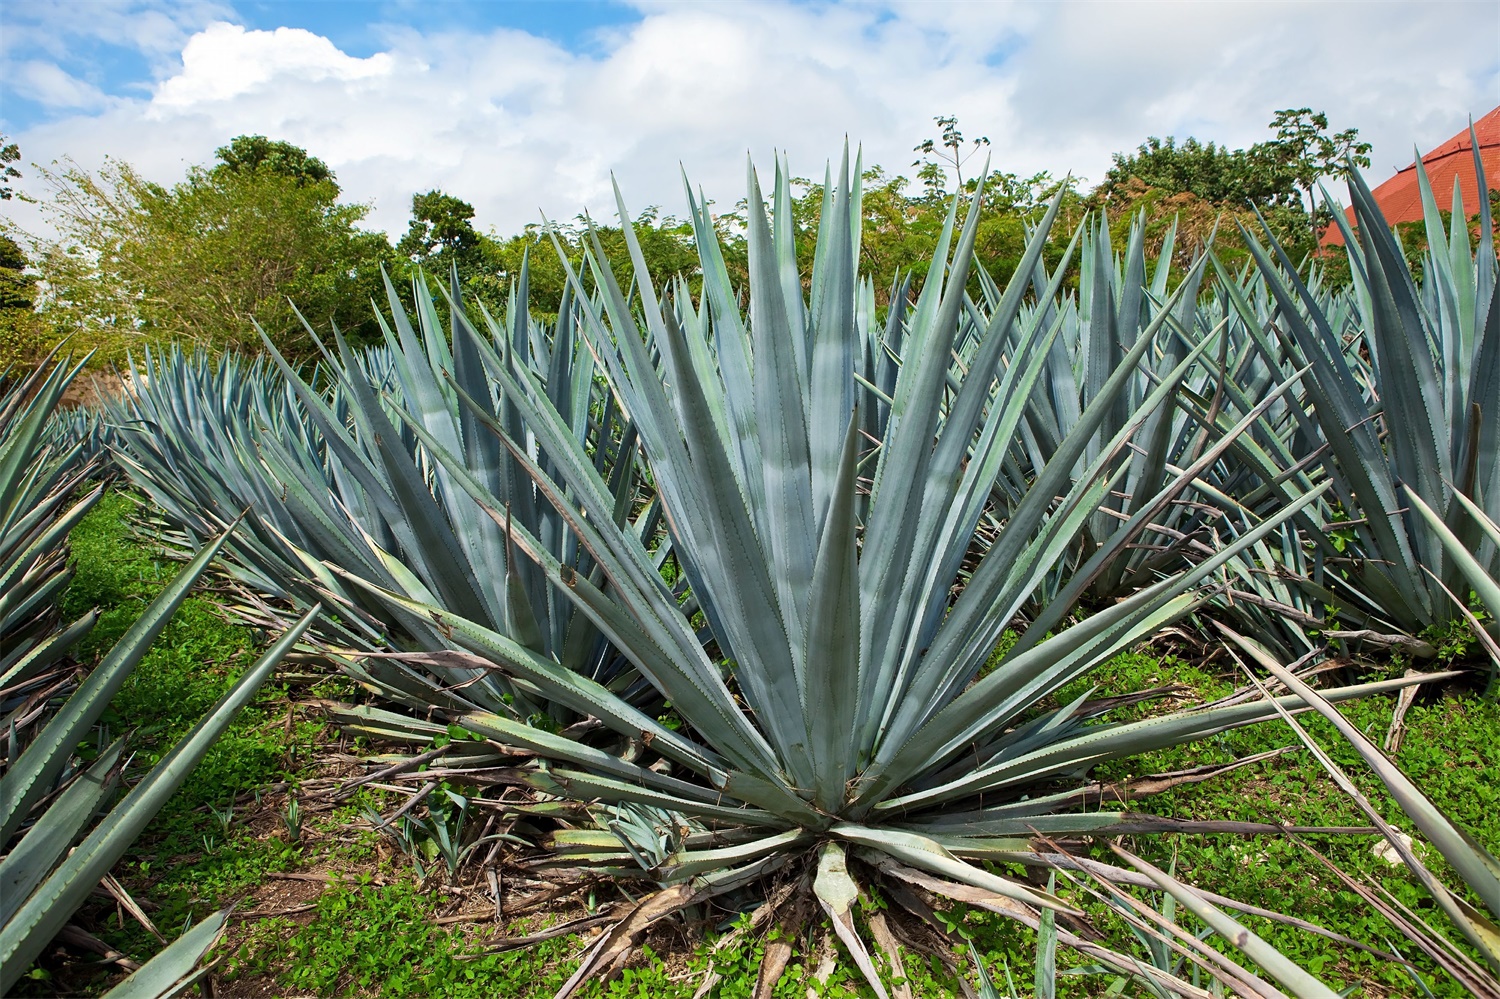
x=1400, y=199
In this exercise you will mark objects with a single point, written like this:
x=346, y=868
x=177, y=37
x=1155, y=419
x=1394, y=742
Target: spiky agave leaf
x=39, y=476
x=209, y=438
x=1408, y=402
x=52, y=882
x=176, y=968
x=331, y=478
x=1279, y=966
x=1478, y=869
x=40, y=473
x=842, y=706
x=1286, y=589
x=1238, y=375
x=190, y=431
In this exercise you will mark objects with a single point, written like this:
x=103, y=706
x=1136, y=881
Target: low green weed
x=1451, y=750
x=366, y=939
x=190, y=858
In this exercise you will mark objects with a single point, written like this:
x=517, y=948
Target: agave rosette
x=1401, y=394
x=187, y=431
x=418, y=533
x=839, y=709
x=1120, y=299
x=334, y=488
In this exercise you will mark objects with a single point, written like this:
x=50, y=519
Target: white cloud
x=517, y=124
x=50, y=84
x=224, y=61
x=155, y=28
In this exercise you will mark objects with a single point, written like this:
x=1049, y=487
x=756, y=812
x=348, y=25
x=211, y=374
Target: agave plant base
x=879, y=909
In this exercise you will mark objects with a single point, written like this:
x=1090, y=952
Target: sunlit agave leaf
x=1405, y=404
x=1479, y=870
x=175, y=969
x=839, y=682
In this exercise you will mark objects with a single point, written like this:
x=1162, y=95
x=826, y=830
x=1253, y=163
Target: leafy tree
x=899, y=231
x=441, y=236
x=666, y=243
x=1205, y=188
x=1216, y=174
x=208, y=258
x=1275, y=173
x=9, y=153
x=249, y=154
x=934, y=164
x=1305, y=150
x=22, y=332
x=441, y=233
x=17, y=288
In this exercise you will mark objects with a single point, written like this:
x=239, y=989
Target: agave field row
x=719, y=575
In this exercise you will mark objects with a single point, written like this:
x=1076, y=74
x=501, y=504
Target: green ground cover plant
x=1450, y=747
x=196, y=661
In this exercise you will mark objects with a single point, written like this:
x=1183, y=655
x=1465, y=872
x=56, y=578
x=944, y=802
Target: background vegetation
x=130, y=263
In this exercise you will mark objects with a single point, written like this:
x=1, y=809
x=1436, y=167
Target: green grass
x=368, y=939
x=186, y=863
x=1451, y=750
x=374, y=936
x=195, y=661
x=365, y=939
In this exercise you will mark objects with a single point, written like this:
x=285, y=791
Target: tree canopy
x=1307, y=153
x=210, y=257
x=239, y=240
x=1275, y=172
x=1217, y=174
x=1204, y=184
x=249, y=154
x=9, y=153
x=442, y=235
x=17, y=288
x=22, y=333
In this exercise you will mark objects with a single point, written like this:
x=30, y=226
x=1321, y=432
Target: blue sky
x=116, y=64
x=355, y=26
x=529, y=108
